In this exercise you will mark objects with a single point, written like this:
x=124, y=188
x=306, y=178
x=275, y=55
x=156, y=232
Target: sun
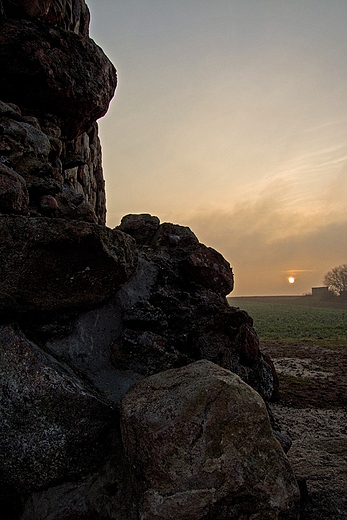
x=291, y=279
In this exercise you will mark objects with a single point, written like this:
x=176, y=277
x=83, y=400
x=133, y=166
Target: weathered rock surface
x=14, y=196
x=104, y=495
x=36, y=163
x=55, y=83
x=67, y=14
x=64, y=74
x=175, y=310
x=52, y=426
x=200, y=445
x=87, y=350
x=159, y=320
x=142, y=227
x=50, y=265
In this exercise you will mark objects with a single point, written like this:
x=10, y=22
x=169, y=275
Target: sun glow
x=291, y=279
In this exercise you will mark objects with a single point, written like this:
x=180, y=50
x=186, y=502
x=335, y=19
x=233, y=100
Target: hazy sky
x=230, y=117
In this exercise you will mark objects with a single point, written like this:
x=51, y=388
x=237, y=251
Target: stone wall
x=50, y=154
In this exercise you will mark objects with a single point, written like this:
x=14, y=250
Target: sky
x=230, y=117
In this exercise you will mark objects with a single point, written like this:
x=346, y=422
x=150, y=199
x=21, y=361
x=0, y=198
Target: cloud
x=231, y=120
x=265, y=243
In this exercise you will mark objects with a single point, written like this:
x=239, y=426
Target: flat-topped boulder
x=51, y=265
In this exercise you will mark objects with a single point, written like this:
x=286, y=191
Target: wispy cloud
x=265, y=243
x=233, y=121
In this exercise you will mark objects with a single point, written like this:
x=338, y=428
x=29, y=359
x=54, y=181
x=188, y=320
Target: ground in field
x=312, y=409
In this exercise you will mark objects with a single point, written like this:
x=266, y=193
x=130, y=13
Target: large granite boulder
x=64, y=74
x=50, y=265
x=200, y=445
x=53, y=427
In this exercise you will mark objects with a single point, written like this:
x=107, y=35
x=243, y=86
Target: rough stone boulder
x=23, y=145
x=175, y=310
x=67, y=14
x=55, y=83
x=52, y=426
x=200, y=445
x=50, y=265
x=178, y=251
x=142, y=227
x=14, y=196
x=207, y=267
x=64, y=74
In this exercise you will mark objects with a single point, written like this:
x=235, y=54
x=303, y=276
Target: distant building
x=321, y=292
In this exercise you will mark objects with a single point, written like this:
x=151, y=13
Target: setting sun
x=277, y=165
x=291, y=279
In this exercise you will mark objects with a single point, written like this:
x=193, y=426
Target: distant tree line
x=336, y=279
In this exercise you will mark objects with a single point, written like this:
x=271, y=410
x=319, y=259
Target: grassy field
x=301, y=318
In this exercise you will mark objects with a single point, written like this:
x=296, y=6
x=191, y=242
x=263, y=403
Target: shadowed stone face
x=71, y=15
x=52, y=426
x=64, y=74
x=14, y=197
x=54, y=264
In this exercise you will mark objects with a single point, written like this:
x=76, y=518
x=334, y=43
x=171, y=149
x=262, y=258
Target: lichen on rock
x=200, y=446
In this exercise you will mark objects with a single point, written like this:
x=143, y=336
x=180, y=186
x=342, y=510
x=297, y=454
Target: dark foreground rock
x=175, y=310
x=160, y=319
x=64, y=73
x=52, y=427
x=200, y=445
x=51, y=265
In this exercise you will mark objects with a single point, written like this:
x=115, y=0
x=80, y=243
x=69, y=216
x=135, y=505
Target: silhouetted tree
x=336, y=279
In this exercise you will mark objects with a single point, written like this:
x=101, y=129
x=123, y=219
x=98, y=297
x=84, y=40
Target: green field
x=294, y=319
